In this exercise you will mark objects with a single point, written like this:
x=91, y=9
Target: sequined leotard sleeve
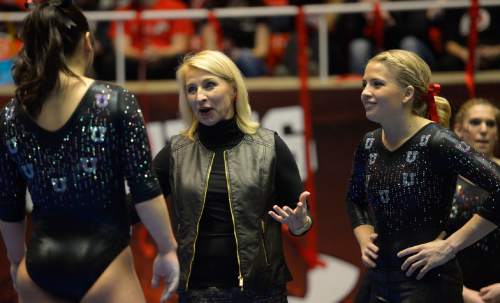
x=410, y=190
x=76, y=177
x=357, y=207
x=12, y=185
x=135, y=152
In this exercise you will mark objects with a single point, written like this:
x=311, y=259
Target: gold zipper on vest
x=240, y=276
x=264, y=241
x=199, y=219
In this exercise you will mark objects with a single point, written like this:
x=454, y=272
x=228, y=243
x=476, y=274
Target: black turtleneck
x=221, y=136
x=215, y=261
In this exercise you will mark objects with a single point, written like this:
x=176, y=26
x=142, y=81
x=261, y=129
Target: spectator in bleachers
x=406, y=30
x=413, y=32
x=153, y=48
x=281, y=58
x=196, y=41
x=103, y=46
x=337, y=46
x=245, y=40
x=456, y=34
x=282, y=55
x=358, y=31
x=9, y=44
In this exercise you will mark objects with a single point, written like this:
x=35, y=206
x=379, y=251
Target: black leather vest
x=250, y=171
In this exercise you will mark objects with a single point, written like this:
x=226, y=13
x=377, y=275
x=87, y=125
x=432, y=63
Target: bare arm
x=129, y=50
x=261, y=47
x=13, y=236
x=179, y=45
x=432, y=254
x=365, y=235
x=490, y=293
x=471, y=296
x=488, y=52
x=209, y=37
x=457, y=50
x=154, y=215
x=362, y=233
x=475, y=229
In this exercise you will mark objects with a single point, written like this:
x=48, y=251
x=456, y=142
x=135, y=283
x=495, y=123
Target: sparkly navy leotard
x=410, y=190
x=479, y=262
x=75, y=176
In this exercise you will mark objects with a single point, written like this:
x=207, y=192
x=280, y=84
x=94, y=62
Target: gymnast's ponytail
x=50, y=35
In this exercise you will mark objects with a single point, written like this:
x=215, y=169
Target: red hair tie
x=433, y=91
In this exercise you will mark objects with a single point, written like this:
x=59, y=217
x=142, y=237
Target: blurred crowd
x=267, y=46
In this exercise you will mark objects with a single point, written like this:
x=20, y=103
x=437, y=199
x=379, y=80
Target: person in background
x=375, y=31
x=281, y=58
x=9, y=43
x=103, y=67
x=231, y=184
x=245, y=40
x=477, y=123
x=456, y=38
x=153, y=48
x=72, y=142
x=360, y=34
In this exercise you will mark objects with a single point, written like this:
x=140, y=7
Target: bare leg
x=29, y=292
x=118, y=283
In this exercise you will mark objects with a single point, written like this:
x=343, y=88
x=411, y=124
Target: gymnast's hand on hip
x=425, y=257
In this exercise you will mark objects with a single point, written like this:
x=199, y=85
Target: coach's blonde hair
x=220, y=65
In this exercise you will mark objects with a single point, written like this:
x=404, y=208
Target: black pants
x=442, y=284
x=365, y=289
x=233, y=295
